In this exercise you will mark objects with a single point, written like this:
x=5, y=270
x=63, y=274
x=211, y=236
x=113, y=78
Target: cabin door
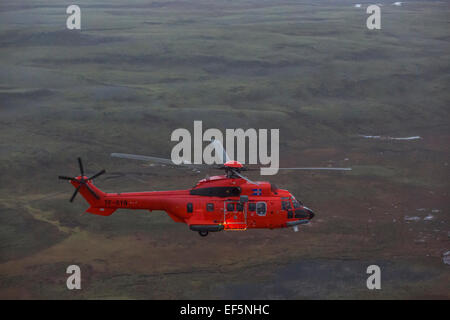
x=235, y=215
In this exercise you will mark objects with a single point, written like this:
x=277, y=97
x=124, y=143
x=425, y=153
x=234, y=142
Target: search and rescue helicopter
x=224, y=202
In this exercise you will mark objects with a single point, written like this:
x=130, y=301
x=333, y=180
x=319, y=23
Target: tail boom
x=105, y=204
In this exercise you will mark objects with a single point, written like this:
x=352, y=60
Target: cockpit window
x=252, y=206
x=297, y=203
x=286, y=205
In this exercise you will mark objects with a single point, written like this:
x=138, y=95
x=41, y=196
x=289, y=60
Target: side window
x=210, y=207
x=252, y=206
x=261, y=208
x=296, y=204
x=230, y=206
x=190, y=207
x=239, y=207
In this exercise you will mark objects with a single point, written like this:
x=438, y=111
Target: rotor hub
x=233, y=164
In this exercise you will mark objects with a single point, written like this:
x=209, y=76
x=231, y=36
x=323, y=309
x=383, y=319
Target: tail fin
x=95, y=197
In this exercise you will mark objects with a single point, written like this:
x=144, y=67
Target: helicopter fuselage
x=216, y=203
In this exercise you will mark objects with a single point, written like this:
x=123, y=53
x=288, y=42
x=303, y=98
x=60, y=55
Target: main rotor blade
x=325, y=168
x=97, y=174
x=221, y=155
x=66, y=178
x=244, y=177
x=80, y=163
x=75, y=193
x=306, y=168
x=158, y=160
x=142, y=158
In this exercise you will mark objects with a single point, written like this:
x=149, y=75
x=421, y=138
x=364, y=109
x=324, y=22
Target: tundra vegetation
x=138, y=69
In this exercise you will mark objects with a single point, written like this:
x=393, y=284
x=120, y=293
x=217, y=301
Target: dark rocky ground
x=137, y=71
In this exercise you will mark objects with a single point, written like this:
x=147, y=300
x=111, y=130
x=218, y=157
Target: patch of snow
x=406, y=138
x=428, y=217
x=390, y=138
x=421, y=209
x=358, y=5
x=408, y=218
x=398, y=3
x=435, y=210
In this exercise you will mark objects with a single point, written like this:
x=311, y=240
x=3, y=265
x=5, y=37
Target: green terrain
x=137, y=70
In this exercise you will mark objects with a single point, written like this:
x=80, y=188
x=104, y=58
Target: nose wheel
x=203, y=233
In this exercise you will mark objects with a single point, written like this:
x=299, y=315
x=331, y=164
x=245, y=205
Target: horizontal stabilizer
x=101, y=211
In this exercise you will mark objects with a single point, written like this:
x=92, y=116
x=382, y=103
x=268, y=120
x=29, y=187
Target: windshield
x=296, y=203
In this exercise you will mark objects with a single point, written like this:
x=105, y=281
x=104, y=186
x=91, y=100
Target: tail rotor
x=82, y=181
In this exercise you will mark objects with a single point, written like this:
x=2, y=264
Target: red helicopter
x=225, y=202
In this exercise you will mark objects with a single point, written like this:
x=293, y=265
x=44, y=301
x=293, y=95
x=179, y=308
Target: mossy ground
x=137, y=71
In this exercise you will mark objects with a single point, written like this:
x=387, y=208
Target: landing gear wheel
x=203, y=233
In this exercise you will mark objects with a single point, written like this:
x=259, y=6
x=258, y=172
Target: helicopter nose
x=310, y=212
x=304, y=213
